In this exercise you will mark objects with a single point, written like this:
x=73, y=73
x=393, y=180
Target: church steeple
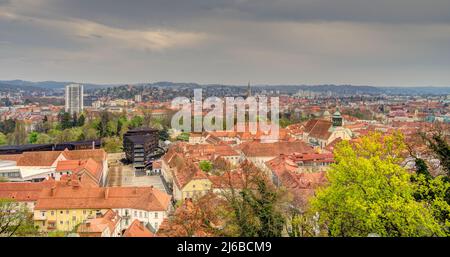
x=337, y=118
x=249, y=90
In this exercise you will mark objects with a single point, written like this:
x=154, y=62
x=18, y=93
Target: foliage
x=112, y=144
x=441, y=149
x=14, y=219
x=183, y=136
x=43, y=139
x=369, y=192
x=3, y=139
x=33, y=137
x=205, y=166
x=136, y=122
x=19, y=136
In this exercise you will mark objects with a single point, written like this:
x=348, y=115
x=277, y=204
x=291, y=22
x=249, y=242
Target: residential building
x=74, y=98
x=63, y=208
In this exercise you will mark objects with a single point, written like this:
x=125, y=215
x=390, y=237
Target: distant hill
x=52, y=85
x=339, y=89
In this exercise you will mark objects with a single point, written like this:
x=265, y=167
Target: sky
x=359, y=42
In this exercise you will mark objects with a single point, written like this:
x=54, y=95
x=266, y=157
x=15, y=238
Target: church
x=321, y=132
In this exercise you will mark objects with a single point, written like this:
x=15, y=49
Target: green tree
x=15, y=219
x=44, y=139
x=369, y=192
x=441, y=149
x=19, y=136
x=136, y=122
x=32, y=137
x=205, y=166
x=112, y=144
x=3, y=139
x=65, y=120
x=81, y=121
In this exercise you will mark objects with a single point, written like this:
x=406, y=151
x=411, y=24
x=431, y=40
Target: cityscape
x=222, y=137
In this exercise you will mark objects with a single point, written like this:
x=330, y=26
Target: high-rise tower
x=74, y=98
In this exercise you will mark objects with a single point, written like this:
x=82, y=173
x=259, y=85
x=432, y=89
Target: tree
x=136, y=122
x=112, y=144
x=65, y=120
x=205, y=166
x=44, y=139
x=3, y=139
x=19, y=136
x=103, y=124
x=89, y=134
x=14, y=219
x=369, y=192
x=255, y=207
x=32, y=137
x=7, y=126
x=81, y=121
x=440, y=148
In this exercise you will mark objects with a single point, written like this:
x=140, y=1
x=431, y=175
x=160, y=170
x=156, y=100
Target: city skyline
x=375, y=43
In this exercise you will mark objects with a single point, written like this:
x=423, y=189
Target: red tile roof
x=136, y=229
x=142, y=198
x=256, y=149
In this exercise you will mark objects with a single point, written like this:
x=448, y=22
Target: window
x=67, y=211
x=84, y=211
x=61, y=212
x=52, y=213
x=145, y=214
x=43, y=213
x=61, y=222
x=74, y=218
x=156, y=215
x=140, y=214
x=135, y=213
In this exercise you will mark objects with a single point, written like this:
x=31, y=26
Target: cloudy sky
x=363, y=42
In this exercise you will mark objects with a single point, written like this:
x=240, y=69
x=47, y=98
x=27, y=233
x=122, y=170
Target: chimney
x=53, y=191
x=106, y=193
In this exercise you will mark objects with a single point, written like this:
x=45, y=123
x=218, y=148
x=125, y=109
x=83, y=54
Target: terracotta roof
x=318, y=128
x=98, y=225
x=94, y=168
x=187, y=173
x=256, y=149
x=142, y=198
x=38, y=158
x=136, y=229
x=23, y=191
x=48, y=158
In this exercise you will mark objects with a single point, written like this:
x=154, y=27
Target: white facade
x=74, y=98
x=152, y=218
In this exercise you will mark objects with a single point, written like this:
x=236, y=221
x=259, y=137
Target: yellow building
x=64, y=219
x=190, y=182
x=62, y=208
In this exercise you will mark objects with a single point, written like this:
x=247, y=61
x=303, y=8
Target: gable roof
x=48, y=158
x=136, y=229
x=23, y=191
x=142, y=198
x=98, y=225
x=318, y=128
x=256, y=149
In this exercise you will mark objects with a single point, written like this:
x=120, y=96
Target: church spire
x=249, y=90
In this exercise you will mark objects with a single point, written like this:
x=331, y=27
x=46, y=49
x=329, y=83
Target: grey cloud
x=394, y=42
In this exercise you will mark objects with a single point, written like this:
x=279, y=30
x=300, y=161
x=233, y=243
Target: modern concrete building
x=74, y=98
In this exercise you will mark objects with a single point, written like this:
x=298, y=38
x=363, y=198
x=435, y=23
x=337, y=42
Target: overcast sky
x=361, y=42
